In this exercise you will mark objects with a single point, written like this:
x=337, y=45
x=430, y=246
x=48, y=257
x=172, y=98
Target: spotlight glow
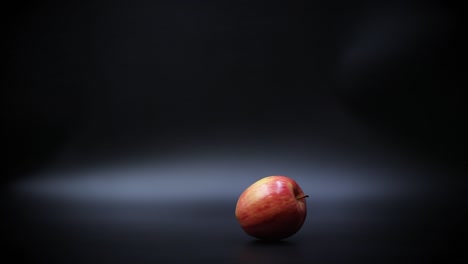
x=205, y=177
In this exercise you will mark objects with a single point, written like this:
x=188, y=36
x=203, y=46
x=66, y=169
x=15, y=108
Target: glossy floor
x=116, y=219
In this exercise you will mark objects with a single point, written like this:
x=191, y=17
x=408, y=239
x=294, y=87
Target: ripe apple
x=272, y=208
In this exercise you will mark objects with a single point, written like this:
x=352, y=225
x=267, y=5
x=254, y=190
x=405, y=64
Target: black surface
x=418, y=230
x=361, y=101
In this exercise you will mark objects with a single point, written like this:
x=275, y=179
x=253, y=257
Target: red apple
x=272, y=208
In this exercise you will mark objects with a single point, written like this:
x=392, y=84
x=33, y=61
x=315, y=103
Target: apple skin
x=272, y=208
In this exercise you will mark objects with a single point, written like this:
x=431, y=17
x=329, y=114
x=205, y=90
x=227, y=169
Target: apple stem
x=304, y=196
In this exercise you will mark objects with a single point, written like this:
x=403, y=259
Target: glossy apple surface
x=272, y=208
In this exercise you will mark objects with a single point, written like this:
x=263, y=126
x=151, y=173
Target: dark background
x=131, y=127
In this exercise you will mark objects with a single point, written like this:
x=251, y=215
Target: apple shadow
x=270, y=243
x=261, y=251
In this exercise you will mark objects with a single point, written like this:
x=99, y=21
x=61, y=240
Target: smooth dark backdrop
x=231, y=91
